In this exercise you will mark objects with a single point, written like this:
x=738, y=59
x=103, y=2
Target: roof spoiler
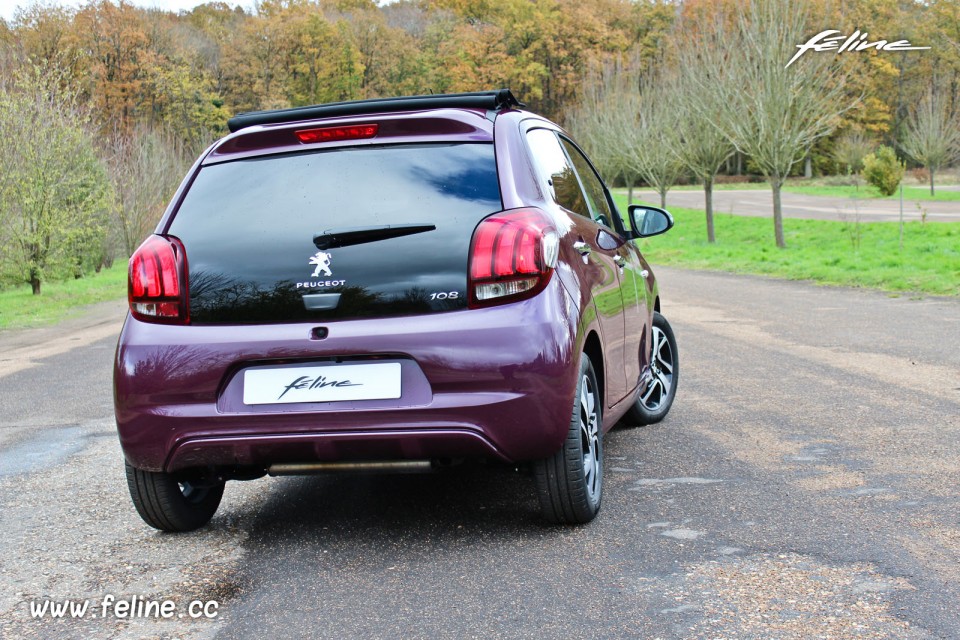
x=489, y=100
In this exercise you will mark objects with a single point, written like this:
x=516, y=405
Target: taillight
x=512, y=256
x=158, y=281
x=336, y=134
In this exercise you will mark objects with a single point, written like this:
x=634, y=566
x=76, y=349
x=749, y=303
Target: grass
x=865, y=192
x=19, y=308
x=822, y=251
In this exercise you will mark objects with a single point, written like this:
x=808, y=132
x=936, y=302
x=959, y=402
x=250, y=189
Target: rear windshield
x=248, y=226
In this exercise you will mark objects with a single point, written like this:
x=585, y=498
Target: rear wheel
x=655, y=399
x=570, y=482
x=172, y=503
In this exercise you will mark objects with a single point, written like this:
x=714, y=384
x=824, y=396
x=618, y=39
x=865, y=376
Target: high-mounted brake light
x=512, y=256
x=337, y=134
x=158, y=281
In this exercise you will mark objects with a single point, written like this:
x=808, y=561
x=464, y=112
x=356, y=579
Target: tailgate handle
x=321, y=301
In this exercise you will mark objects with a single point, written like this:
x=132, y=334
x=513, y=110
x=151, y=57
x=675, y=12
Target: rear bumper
x=490, y=383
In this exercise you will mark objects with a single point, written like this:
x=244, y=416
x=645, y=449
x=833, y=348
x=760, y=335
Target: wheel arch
x=594, y=350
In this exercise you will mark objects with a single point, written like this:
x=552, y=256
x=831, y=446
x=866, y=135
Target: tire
x=570, y=482
x=655, y=399
x=171, y=504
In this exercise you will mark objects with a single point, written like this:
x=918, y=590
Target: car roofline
x=494, y=100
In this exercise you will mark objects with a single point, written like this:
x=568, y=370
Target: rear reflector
x=157, y=286
x=336, y=134
x=512, y=256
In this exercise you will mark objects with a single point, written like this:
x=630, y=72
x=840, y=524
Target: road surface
x=805, y=485
x=759, y=202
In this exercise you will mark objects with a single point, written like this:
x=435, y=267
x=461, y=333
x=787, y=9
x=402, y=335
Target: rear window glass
x=357, y=186
x=248, y=228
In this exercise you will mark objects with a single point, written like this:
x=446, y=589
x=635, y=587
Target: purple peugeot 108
x=388, y=284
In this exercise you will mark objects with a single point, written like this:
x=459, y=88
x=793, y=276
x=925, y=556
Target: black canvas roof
x=489, y=100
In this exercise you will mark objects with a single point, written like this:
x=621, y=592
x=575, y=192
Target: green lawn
x=58, y=300
x=865, y=192
x=816, y=250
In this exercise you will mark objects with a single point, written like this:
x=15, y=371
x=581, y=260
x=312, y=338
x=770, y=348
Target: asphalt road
x=805, y=485
x=759, y=202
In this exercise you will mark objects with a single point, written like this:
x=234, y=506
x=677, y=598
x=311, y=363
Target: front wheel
x=570, y=482
x=172, y=503
x=655, y=399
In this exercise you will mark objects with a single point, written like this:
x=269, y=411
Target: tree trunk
x=776, y=183
x=708, y=200
x=35, y=282
x=663, y=198
x=629, y=193
x=931, y=181
x=808, y=168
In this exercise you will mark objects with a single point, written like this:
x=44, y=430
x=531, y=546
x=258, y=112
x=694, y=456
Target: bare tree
x=627, y=121
x=605, y=109
x=145, y=166
x=850, y=150
x=653, y=137
x=932, y=133
x=701, y=148
x=769, y=111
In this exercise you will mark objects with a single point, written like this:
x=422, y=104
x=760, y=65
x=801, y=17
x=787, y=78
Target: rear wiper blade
x=345, y=237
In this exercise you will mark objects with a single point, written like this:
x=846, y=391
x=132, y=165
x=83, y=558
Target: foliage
x=884, y=170
x=54, y=191
x=638, y=82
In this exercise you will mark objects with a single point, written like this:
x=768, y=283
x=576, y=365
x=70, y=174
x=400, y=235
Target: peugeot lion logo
x=322, y=260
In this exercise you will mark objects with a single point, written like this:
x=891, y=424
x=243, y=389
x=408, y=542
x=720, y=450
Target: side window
x=555, y=167
x=592, y=186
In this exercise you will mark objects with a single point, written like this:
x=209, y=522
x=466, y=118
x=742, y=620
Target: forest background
x=104, y=107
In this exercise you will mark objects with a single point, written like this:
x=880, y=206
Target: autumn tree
x=54, y=190
x=932, y=133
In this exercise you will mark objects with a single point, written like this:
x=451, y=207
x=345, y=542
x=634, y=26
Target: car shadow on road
x=465, y=501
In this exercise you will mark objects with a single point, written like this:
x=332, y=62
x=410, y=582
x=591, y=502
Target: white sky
x=9, y=7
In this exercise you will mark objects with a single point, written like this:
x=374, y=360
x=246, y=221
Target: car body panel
x=504, y=376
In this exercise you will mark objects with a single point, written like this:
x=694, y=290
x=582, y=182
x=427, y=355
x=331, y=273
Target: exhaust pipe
x=391, y=466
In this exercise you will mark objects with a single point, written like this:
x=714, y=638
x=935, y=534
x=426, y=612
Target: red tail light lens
x=512, y=256
x=336, y=134
x=158, y=281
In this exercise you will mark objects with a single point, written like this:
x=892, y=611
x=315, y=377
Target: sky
x=9, y=7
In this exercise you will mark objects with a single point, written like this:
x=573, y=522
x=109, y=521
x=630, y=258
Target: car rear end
x=345, y=289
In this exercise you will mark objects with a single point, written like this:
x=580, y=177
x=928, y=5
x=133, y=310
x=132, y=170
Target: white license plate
x=330, y=383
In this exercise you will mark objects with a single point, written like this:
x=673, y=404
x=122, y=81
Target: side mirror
x=646, y=221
